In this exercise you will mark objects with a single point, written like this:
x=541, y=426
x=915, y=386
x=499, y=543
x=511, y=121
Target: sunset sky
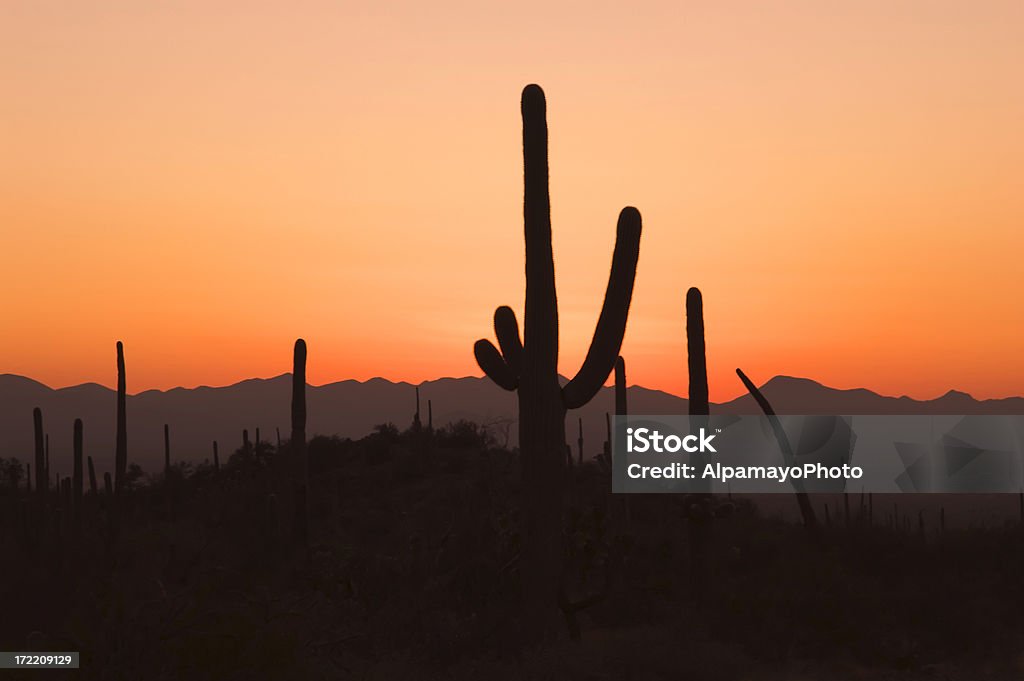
x=207, y=181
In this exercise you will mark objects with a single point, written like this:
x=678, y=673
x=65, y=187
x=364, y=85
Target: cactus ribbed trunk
x=300, y=525
x=121, y=446
x=531, y=366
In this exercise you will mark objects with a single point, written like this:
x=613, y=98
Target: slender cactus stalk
x=216, y=457
x=300, y=526
x=579, y=441
x=121, y=447
x=41, y=480
x=77, y=473
x=803, y=501
x=699, y=523
x=416, y=423
x=167, y=450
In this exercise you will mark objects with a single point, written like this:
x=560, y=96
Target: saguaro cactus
x=77, y=472
x=300, y=527
x=216, y=457
x=41, y=481
x=167, y=450
x=699, y=514
x=803, y=501
x=530, y=365
x=416, y=423
x=121, y=447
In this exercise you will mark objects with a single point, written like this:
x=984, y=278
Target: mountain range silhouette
x=198, y=416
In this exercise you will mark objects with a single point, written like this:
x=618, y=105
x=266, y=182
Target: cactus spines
x=803, y=501
x=298, y=443
x=216, y=457
x=531, y=366
x=92, y=476
x=77, y=471
x=41, y=481
x=121, y=447
x=167, y=450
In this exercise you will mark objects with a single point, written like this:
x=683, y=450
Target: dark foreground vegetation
x=412, y=572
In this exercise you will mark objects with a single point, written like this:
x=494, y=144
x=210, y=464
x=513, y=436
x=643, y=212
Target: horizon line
x=484, y=378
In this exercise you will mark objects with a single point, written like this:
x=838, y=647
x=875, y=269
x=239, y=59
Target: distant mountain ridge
x=198, y=416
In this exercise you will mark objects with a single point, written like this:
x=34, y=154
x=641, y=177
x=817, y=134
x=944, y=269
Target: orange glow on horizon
x=207, y=183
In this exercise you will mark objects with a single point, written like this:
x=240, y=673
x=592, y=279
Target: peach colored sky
x=209, y=180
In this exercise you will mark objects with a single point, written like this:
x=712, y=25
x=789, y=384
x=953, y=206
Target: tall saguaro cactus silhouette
x=121, y=447
x=699, y=408
x=530, y=365
x=300, y=527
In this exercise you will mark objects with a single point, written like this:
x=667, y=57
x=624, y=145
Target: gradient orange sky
x=210, y=180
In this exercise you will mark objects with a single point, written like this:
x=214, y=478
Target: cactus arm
x=621, y=406
x=506, y=328
x=492, y=364
x=540, y=332
x=766, y=407
x=611, y=325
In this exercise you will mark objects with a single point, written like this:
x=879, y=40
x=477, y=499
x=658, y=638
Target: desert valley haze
x=352, y=409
